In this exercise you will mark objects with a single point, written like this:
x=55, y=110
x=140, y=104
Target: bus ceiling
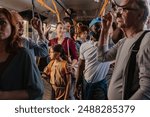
x=54, y=10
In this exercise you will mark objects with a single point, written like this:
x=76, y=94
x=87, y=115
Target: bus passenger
x=19, y=76
x=58, y=73
x=131, y=77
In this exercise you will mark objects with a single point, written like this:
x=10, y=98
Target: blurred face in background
x=84, y=35
x=60, y=30
x=96, y=28
x=5, y=27
x=19, y=22
x=53, y=55
x=67, y=26
x=20, y=28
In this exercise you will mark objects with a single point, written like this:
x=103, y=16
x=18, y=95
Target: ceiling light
x=96, y=0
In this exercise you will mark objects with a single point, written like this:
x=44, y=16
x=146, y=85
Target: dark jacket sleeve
x=32, y=77
x=40, y=48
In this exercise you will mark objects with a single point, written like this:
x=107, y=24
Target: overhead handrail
x=63, y=7
x=46, y=6
x=57, y=13
x=103, y=7
x=49, y=8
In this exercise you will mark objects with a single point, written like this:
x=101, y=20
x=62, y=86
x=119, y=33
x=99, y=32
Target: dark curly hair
x=59, y=48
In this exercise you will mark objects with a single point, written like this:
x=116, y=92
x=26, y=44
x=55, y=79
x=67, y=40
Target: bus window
x=26, y=27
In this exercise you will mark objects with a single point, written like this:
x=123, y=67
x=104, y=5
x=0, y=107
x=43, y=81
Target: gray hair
x=143, y=4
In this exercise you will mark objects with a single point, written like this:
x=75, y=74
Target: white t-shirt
x=94, y=70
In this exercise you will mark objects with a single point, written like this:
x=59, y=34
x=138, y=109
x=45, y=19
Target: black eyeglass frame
x=114, y=2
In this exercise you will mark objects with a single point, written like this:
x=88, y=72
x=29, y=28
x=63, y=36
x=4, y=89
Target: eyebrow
x=1, y=18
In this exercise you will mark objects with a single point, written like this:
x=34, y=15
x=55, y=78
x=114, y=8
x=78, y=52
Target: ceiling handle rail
x=46, y=6
x=57, y=13
x=63, y=7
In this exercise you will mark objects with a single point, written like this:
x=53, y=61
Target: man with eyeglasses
x=131, y=76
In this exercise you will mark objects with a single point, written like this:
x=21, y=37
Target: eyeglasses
x=120, y=3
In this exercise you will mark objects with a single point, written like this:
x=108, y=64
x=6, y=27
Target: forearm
x=41, y=50
x=103, y=38
x=14, y=95
x=68, y=87
x=143, y=93
x=102, y=45
x=104, y=55
x=42, y=37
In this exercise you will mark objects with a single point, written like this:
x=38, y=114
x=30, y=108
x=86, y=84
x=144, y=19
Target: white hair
x=143, y=4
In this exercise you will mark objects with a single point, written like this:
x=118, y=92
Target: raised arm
x=40, y=47
x=103, y=53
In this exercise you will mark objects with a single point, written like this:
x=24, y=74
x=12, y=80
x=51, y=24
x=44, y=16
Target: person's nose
x=1, y=28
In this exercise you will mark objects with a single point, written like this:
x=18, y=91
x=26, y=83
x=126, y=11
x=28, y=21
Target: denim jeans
x=95, y=91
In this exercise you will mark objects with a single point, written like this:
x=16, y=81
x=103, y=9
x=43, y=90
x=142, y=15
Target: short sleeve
x=81, y=56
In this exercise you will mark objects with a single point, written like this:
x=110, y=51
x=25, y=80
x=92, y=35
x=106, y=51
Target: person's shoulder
x=120, y=42
x=50, y=64
x=23, y=53
x=84, y=46
x=87, y=44
x=69, y=39
x=146, y=41
x=23, y=50
x=64, y=64
x=54, y=39
x=147, y=35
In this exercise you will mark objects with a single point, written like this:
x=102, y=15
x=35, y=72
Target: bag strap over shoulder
x=132, y=66
x=68, y=48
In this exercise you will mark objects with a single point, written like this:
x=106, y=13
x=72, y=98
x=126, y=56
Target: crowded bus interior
x=74, y=49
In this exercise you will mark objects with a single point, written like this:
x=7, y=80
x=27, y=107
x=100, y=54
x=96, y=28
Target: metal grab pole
x=33, y=8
